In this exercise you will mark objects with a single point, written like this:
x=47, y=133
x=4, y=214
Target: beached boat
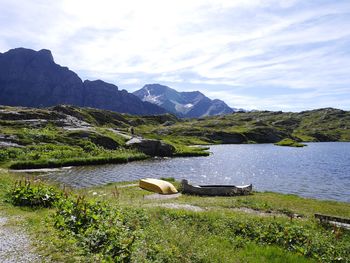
x=157, y=186
x=216, y=190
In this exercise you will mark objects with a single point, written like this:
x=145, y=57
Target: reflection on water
x=320, y=170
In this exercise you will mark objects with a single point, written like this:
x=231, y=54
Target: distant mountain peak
x=189, y=104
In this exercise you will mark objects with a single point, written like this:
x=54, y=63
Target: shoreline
x=134, y=182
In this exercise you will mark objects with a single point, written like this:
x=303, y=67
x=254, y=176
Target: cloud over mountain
x=295, y=51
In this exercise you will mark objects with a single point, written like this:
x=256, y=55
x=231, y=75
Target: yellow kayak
x=157, y=186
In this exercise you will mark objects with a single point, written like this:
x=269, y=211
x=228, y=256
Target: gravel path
x=161, y=197
x=15, y=245
x=180, y=206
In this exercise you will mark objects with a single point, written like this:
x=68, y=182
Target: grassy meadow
x=123, y=223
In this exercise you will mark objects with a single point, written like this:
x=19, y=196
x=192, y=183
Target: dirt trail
x=15, y=244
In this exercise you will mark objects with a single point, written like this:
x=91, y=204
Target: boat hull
x=157, y=186
x=216, y=190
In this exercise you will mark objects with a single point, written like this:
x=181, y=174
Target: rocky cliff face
x=32, y=78
x=183, y=104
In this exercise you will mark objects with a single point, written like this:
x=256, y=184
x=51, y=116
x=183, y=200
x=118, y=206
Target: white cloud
x=245, y=43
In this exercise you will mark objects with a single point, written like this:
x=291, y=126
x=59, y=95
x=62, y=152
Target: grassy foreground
x=258, y=228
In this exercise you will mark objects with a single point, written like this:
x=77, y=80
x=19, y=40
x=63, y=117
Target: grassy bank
x=262, y=227
x=52, y=156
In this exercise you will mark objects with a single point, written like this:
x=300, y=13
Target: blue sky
x=255, y=54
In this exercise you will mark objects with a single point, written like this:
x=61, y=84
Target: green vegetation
x=67, y=135
x=257, y=127
x=50, y=155
x=117, y=223
x=106, y=232
x=290, y=143
x=48, y=138
x=25, y=193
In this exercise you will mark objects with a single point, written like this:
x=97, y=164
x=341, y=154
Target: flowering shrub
x=32, y=194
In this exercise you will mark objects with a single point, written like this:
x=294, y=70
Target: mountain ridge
x=190, y=104
x=32, y=79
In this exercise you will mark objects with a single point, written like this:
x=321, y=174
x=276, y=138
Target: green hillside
x=320, y=125
x=67, y=135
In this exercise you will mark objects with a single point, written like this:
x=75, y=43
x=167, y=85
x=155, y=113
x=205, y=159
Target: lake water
x=320, y=170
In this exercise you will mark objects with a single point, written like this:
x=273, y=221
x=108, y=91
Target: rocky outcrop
x=183, y=104
x=8, y=141
x=227, y=138
x=151, y=147
x=36, y=118
x=265, y=135
x=97, y=138
x=32, y=79
x=325, y=136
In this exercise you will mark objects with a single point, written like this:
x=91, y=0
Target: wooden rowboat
x=216, y=190
x=157, y=186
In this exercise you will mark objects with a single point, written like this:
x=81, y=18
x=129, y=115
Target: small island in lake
x=290, y=143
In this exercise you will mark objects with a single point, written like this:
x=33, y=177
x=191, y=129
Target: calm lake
x=320, y=170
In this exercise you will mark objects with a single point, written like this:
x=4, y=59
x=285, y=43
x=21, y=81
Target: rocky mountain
x=183, y=104
x=32, y=78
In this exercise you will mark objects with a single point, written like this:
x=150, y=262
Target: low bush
x=102, y=230
x=108, y=233
x=31, y=194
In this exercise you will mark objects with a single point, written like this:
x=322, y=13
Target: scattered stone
x=9, y=141
x=265, y=213
x=121, y=133
x=257, y=212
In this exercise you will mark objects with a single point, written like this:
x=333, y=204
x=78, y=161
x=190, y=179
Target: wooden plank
x=328, y=218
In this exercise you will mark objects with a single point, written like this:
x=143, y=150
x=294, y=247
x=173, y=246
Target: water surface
x=320, y=170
